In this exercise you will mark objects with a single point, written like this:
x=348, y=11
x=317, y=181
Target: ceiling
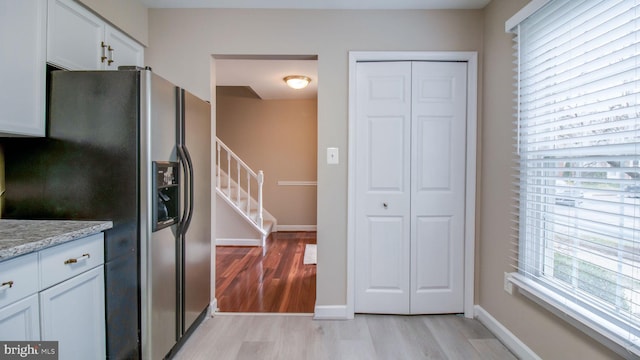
x=319, y=4
x=264, y=75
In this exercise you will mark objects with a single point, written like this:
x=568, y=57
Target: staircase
x=240, y=217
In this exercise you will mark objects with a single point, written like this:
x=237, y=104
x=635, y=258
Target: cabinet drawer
x=20, y=278
x=64, y=261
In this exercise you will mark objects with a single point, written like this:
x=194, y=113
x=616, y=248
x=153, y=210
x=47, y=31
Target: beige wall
x=131, y=16
x=278, y=137
x=181, y=42
x=547, y=335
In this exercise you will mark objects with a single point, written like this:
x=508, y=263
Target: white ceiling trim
x=320, y=4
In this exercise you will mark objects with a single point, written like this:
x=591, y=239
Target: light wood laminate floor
x=370, y=337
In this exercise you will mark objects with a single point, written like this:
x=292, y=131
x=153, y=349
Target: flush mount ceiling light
x=297, y=81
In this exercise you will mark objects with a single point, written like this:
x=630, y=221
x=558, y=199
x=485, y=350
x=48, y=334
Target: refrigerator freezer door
x=197, y=239
x=158, y=249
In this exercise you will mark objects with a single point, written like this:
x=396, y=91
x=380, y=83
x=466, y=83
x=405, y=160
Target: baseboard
x=239, y=242
x=297, y=227
x=520, y=349
x=330, y=312
x=270, y=314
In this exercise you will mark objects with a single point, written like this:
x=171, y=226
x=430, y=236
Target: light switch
x=332, y=156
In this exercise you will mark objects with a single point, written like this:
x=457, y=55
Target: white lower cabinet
x=19, y=310
x=20, y=321
x=57, y=294
x=72, y=313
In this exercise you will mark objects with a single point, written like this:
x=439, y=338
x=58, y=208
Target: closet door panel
x=382, y=277
x=434, y=152
x=386, y=151
x=433, y=251
x=438, y=164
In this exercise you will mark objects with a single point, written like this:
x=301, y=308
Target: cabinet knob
x=75, y=260
x=385, y=205
x=6, y=285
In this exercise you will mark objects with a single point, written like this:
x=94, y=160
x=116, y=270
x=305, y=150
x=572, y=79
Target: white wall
x=181, y=42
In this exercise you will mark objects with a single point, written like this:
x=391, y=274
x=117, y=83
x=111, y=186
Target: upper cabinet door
x=74, y=37
x=79, y=40
x=122, y=50
x=22, y=67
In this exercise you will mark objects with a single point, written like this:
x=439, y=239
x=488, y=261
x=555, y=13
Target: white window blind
x=578, y=140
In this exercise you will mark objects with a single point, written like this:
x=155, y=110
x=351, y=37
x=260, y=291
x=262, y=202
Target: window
x=578, y=141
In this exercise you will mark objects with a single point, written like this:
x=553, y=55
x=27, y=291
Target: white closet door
x=438, y=162
x=382, y=249
x=410, y=187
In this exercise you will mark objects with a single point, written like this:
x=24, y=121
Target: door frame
x=471, y=58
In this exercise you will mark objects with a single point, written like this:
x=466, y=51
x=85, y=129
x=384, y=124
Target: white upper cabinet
x=123, y=51
x=73, y=36
x=61, y=32
x=23, y=35
x=79, y=40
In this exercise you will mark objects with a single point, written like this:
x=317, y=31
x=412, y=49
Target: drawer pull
x=73, y=261
x=6, y=285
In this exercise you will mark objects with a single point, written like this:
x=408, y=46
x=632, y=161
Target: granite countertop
x=19, y=237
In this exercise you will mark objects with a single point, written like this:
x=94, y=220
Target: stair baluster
x=239, y=185
x=229, y=174
x=260, y=183
x=257, y=178
x=249, y=192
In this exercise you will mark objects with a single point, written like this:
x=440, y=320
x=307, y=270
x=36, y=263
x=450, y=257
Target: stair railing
x=229, y=159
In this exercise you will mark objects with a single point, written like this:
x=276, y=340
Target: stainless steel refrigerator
x=130, y=147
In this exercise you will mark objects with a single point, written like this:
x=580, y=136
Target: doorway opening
x=272, y=130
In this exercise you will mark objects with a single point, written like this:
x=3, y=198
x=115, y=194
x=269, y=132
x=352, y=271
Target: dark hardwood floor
x=270, y=279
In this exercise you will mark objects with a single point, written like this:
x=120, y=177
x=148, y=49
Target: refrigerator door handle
x=187, y=221
x=182, y=158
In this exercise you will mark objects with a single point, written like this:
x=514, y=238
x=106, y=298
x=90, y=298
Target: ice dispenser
x=167, y=203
